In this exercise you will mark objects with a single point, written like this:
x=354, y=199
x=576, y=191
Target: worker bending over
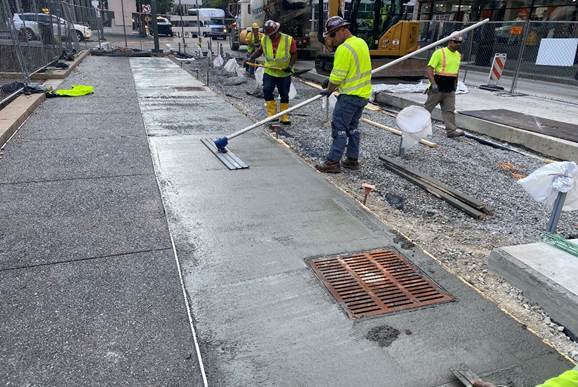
x=351, y=74
x=442, y=71
x=280, y=53
x=253, y=40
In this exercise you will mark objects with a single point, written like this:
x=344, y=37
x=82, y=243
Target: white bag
x=332, y=101
x=218, y=61
x=231, y=66
x=259, y=76
x=544, y=184
x=292, y=92
x=415, y=124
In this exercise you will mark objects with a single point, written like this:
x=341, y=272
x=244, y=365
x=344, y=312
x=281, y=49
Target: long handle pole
x=313, y=99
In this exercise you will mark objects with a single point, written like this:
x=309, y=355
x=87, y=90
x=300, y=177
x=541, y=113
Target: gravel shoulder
x=461, y=243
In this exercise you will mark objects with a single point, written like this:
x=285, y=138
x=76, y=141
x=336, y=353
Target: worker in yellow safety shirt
x=442, y=71
x=566, y=379
x=351, y=75
x=280, y=51
x=253, y=40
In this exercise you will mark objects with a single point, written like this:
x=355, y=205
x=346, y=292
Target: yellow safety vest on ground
x=282, y=57
x=352, y=68
x=253, y=42
x=445, y=62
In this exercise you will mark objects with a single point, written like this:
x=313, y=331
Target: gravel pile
x=461, y=243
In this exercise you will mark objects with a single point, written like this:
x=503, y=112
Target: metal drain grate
x=377, y=282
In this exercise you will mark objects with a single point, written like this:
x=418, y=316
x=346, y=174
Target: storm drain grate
x=377, y=282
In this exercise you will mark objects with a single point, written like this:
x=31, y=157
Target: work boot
x=455, y=133
x=285, y=117
x=271, y=109
x=329, y=166
x=350, y=164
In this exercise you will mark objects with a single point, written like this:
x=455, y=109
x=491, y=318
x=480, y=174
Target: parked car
x=164, y=26
x=29, y=26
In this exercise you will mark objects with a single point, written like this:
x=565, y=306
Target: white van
x=189, y=26
x=213, y=19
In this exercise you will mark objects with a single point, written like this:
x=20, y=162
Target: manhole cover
x=377, y=282
x=189, y=88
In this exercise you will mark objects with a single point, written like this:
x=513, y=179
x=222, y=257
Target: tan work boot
x=329, y=166
x=455, y=133
x=285, y=117
x=350, y=164
x=271, y=109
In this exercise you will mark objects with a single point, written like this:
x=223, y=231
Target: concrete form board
x=262, y=316
x=545, y=274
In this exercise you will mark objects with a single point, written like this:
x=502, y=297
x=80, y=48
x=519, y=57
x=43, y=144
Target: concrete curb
x=17, y=111
x=558, y=301
x=546, y=145
x=61, y=74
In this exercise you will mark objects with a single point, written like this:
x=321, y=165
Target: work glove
x=288, y=69
x=325, y=92
x=325, y=84
x=434, y=88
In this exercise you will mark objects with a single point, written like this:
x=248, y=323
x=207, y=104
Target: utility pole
x=155, y=26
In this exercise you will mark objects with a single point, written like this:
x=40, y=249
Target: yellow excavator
x=380, y=23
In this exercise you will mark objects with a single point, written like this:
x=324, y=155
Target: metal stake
x=520, y=57
x=556, y=211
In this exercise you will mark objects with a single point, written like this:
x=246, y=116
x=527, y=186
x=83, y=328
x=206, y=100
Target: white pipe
x=398, y=60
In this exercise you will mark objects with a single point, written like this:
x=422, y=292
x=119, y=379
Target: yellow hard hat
x=255, y=25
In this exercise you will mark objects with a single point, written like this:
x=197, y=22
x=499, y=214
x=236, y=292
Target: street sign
x=146, y=8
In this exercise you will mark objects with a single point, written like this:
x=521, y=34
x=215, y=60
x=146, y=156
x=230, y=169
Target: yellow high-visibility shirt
x=445, y=62
x=352, y=68
x=567, y=379
x=253, y=42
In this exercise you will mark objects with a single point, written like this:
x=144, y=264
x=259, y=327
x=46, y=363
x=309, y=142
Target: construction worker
x=442, y=72
x=351, y=75
x=253, y=39
x=566, y=379
x=280, y=53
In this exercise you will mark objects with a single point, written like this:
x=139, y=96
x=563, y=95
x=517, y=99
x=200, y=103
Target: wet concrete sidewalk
x=243, y=238
x=89, y=287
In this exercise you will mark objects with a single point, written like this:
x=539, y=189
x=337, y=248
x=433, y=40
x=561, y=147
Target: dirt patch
x=383, y=335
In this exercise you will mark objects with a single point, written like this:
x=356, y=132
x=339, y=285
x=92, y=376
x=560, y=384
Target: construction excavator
x=382, y=24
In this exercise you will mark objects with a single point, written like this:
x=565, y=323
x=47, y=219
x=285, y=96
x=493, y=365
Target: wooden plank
x=454, y=202
x=396, y=131
x=472, y=202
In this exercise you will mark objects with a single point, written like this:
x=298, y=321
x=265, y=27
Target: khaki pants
x=448, y=105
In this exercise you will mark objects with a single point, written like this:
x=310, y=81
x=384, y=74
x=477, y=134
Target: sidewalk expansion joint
x=72, y=179
x=84, y=259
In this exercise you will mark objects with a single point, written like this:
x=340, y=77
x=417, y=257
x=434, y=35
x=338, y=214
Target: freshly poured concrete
x=262, y=317
x=546, y=275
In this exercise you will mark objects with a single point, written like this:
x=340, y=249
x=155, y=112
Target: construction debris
x=470, y=206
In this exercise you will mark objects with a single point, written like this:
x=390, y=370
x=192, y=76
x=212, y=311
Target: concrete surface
x=479, y=99
x=546, y=275
x=62, y=74
x=243, y=237
x=90, y=293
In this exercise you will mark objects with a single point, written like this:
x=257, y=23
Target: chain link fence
x=35, y=34
x=535, y=50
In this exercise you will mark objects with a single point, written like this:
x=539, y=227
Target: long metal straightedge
x=231, y=160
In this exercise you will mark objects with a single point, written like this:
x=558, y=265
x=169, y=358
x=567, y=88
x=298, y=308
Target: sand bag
x=415, y=124
x=544, y=184
x=231, y=66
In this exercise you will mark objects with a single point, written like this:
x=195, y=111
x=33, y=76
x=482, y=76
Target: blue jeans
x=283, y=85
x=344, y=127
